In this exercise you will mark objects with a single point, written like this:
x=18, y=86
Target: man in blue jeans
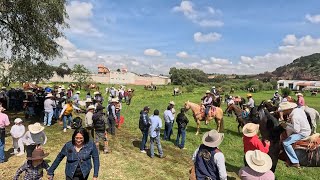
x=299, y=127
x=155, y=127
x=182, y=122
x=168, y=119
x=4, y=122
x=144, y=127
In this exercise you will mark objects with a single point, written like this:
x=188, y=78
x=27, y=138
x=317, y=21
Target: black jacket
x=99, y=122
x=182, y=120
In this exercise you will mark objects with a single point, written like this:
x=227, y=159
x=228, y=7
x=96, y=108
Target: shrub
x=285, y=91
x=189, y=88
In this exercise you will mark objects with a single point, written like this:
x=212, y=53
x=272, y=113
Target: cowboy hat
x=287, y=105
x=299, y=94
x=17, y=120
x=213, y=87
x=88, y=100
x=3, y=87
x=212, y=138
x=114, y=100
x=78, y=92
x=249, y=95
x=250, y=129
x=208, y=92
x=171, y=102
x=96, y=92
x=35, y=128
x=258, y=161
x=90, y=107
x=49, y=95
x=38, y=154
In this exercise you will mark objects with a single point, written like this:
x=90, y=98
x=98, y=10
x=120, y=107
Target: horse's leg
x=198, y=126
x=218, y=121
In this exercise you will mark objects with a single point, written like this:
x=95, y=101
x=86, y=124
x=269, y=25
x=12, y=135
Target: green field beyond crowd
x=126, y=162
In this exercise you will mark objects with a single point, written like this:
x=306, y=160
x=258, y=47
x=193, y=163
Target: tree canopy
x=30, y=27
x=187, y=76
x=80, y=74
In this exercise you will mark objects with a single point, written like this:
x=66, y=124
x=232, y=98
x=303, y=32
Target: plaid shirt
x=31, y=173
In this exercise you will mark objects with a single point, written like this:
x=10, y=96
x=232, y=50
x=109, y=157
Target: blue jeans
x=144, y=139
x=2, y=142
x=167, y=130
x=47, y=118
x=65, y=123
x=206, y=112
x=182, y=133
x=287, y=144
x=157, y=140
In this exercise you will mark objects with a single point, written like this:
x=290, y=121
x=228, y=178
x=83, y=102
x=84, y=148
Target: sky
x=216, y=36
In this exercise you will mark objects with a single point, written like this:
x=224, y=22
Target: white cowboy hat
x=78, y=92
x=299, y=94
x=258, y=161
x=212, y=138
x=171, y=102
x=96, y=92
x=230, y=97
x=287, y=105
x=3, y=87
x=90, y=107
x=18, y=120
x=250, y=129
x=49, y=95
x=114, y=100
x=213, y=87
x=35, y=128
x=88, y=100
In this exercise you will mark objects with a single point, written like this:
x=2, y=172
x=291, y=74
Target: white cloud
x=182, y=54
x=210, y=37
x=313, y=19
x=195, y=65
x=220, y=61
x=203, y=61
x=135, y=63
x=205, y=17
x=152, y=52
x=290, y=39
x=80, y=15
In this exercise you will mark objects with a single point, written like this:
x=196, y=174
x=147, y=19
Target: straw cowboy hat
x=212, y=138
x=49, y=95
x=3, y=87
x=299, y=94
x=78, y=92
x=258, y=161
x=88, y=100
x=96, y=92
x=38, y=154
x=287, y=105
x=114, y=100
x=17, y=120
x=171, y=102
x=35, y=128
x=90, y=107
x=250, y=129
x=213, y=87
x=208, y=92
x=249, y=95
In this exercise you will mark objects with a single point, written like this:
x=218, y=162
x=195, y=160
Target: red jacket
x=253, y=143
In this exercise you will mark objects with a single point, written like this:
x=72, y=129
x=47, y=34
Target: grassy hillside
x=126, y=161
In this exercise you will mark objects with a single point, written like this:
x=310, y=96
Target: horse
x=238, y=112
x=198, y=115
x=239, y=101
x=216, y=100
x=91, y=86
x=176, y=92
x=314, y=117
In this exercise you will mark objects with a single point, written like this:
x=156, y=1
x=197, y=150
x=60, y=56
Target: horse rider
x=207, y=102
x=250, y=103
x=214, y=91
x=300, y=101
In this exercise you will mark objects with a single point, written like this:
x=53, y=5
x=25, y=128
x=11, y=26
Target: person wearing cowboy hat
x=299, y=126
x=209, y=161
x=88, y=119
x=89, y=102
x=17, y=131
x=129, y=96
x=34, y=166
x=251, y=140
x=207, y=102
x=250, y=103
x=66, y=114
x=34, y=138
x=258, y=168
x=98, y=97
x=112, y=117
x=168, y=119
x=49, y=106
x=213, y=90
x=99, y=125
x=4, y=122
x=300, y=101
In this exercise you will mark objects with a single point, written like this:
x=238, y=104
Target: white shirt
x=300, y=122
x=88, y=119
x=17, y=131
x=34, y=139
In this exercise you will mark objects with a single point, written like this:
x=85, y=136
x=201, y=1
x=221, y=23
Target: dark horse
x=271, y=130
x=239, y=115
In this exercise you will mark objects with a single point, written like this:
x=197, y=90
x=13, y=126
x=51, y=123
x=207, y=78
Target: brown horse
x=238, y=112
x=198, y=115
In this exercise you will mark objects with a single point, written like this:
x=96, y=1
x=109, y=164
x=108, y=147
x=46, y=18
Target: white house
x=298, y=84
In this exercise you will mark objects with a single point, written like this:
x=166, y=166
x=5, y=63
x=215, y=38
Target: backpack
x=76, y=123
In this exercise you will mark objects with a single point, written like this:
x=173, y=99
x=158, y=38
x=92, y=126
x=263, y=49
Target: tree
x=80, y=74
x=62, y=70
x=30, y=27
x=187, y=76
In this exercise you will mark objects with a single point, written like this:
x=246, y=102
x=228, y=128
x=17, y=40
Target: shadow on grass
x=8, y=154
x=232, y=168
x=233, y=133
x=202, y=130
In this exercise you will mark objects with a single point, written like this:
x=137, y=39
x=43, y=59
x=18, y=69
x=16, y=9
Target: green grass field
x=126, y=162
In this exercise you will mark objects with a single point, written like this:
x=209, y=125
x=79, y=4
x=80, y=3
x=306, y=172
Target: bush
x=189, y=88
x=286, y=91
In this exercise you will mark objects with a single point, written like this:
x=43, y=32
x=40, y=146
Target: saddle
x=310, y=143
x=211, y=112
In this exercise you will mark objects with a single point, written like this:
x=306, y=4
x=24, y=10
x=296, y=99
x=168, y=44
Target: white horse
x=314, y=116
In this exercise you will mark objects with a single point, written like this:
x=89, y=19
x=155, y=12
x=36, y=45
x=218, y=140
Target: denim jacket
x=83, y=158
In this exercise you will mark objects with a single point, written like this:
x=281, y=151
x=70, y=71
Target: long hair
x=84, y=133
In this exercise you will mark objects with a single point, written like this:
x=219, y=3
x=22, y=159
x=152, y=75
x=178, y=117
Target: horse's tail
x=317, y=117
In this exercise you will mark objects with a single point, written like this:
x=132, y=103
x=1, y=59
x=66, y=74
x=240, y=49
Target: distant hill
x=303, y=68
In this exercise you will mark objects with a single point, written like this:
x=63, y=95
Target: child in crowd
x=34, y=166
x=17, y=131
